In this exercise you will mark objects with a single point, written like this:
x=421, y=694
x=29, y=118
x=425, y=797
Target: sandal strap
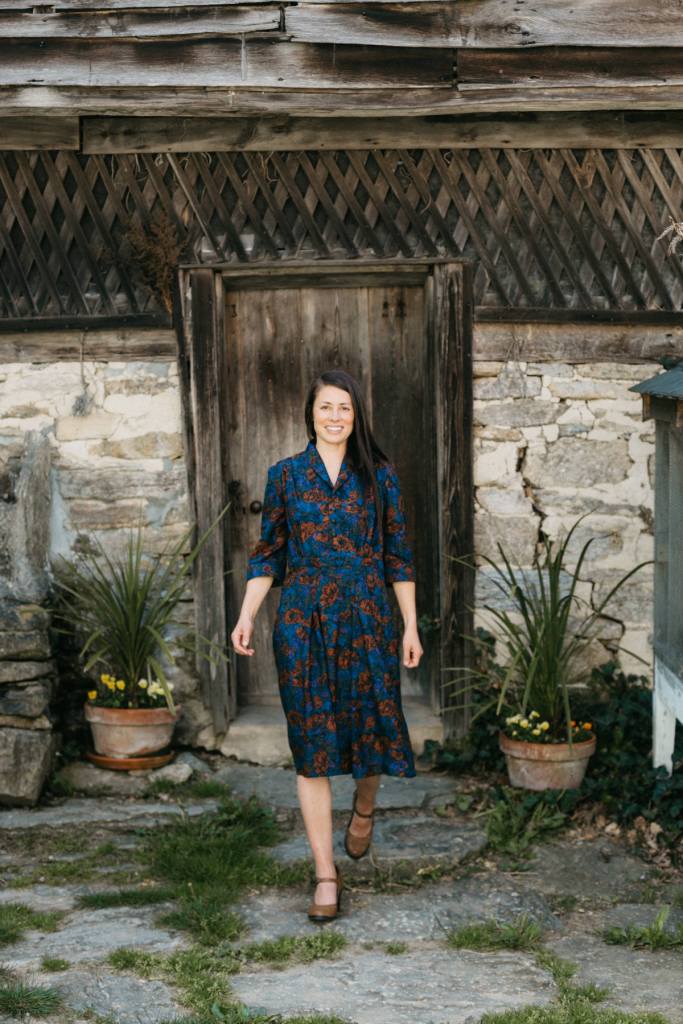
x=326, y=879
x=360, y=813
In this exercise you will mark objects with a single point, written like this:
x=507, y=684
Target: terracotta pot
x=546, y=765
x=130, y=732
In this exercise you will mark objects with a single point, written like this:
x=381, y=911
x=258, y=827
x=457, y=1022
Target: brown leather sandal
x=322, y=912
x=357, y=846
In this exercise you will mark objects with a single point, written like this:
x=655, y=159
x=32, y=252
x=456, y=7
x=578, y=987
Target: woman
x=333, y=532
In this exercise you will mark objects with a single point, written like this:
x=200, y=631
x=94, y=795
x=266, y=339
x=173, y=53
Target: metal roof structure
x=664, y=385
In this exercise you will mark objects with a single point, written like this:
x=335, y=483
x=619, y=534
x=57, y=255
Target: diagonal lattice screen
x=547, y=229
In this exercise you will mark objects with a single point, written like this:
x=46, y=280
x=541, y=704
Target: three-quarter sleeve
x=398, y=552
x=269, y=557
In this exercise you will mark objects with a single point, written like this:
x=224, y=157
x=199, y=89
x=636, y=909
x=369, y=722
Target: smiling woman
x=333, y=535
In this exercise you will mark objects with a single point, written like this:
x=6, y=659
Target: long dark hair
x=362, y=449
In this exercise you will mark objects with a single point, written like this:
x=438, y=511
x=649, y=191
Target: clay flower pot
x=546, y=765
x=130, y=732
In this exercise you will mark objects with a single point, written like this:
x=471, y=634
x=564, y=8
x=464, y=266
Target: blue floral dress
x=334, y=637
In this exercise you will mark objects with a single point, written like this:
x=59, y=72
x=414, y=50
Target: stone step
x=277, y=787
x=259, y=734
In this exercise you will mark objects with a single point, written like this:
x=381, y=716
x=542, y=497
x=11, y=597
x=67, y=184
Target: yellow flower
x=524, y=723
x=544, y=726
x=535, y=732
x=110, y=684
x=92, y=694
x=142, y=683
x=120, y=685
x=534, y=714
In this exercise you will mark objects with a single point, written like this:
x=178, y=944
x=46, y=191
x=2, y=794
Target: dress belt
x=346, y=563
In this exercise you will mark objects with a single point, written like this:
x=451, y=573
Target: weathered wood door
x=277, y=341
x=404, y=331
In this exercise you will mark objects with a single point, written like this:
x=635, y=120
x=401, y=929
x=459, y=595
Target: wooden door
x=250, y=340
x=277, y=341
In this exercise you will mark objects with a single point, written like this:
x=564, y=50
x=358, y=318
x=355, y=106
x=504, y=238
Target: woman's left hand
x=412, y=648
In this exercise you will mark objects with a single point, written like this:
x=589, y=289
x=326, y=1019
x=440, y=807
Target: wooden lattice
x=548, y=229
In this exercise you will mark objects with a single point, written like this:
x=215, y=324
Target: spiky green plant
x=122, y=608
x=545, y=639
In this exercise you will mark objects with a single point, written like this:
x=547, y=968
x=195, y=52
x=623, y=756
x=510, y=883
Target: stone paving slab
x=92, y=935
x=78, y=811
x=416, y=839
x=45, y=897
x=593, y=870
x=638, y=980
x=428, y=913
x=429, y=986
x=129, y=1000
x=276, y=787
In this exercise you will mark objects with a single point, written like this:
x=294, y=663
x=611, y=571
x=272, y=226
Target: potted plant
x=545, y=746
x=121, y=609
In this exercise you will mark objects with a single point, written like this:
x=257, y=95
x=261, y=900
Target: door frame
x=200, y=331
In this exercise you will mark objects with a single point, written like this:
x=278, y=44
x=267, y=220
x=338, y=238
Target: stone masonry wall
x=551, y=441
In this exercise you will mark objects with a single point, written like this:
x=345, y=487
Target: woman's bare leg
x=315, y=798
x=365, y=802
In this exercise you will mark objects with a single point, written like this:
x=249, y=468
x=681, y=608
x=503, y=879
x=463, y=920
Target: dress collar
x=316, y=461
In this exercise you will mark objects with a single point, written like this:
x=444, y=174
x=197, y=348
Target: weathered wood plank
x=204, y=347
x=247, y=101
x=552, y=66
x=477, y=23
x=618, y=130
x=494, y=340
x=572, y=342
x=208, y=22
x=380, y=24
x=249, y=62
x=450, y=345
x=40, y=346
x=39, y=132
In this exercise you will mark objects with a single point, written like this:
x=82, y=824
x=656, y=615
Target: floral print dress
x=334, y=638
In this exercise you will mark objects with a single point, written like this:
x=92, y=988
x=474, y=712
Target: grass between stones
x=574, y=1004
x=523, y=934
x=652, y=936
x=54, y=963
x=202, y=975
x=15, y=919
x=20, y=1000
x=80, y=868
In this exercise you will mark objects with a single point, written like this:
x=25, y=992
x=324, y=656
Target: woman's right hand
x=241, y=635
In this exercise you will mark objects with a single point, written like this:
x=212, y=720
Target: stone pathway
x=572, y=890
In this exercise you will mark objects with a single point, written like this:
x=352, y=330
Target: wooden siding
x=382, y=56
x=557, y=230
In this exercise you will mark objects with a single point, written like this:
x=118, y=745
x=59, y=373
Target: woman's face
x=332, y=415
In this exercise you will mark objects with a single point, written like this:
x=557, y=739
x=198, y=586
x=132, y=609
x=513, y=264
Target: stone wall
x=114, y=429
x=552, y=440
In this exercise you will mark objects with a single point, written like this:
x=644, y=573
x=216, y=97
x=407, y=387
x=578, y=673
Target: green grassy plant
x=519, y=818
x=20, y=1000
x=15, y=919
x=125, y=898
x=54, y=963
x=653, y=936
x=523, y=933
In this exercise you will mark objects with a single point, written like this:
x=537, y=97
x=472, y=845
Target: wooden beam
x=570, y=342
x=613, y=130
x=251, y=61
x=39, y=132
x=476, y=24
x=574, y=342
x=196, y=101
x=564, y=65
x=34, y=345
x=183, y=23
